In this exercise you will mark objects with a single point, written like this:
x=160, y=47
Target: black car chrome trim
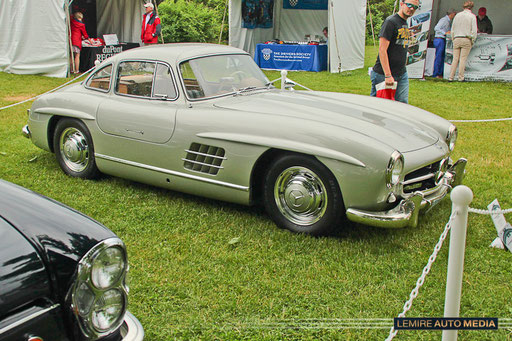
x=28, y=318
x=166, y=171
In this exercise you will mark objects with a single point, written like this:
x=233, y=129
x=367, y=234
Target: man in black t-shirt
x=394, y=38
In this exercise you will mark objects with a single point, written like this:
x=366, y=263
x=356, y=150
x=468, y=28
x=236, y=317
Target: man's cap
x=450, y=11
x=149, y=4
x=482, y=11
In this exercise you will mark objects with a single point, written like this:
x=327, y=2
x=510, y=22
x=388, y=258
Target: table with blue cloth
x=291, y=57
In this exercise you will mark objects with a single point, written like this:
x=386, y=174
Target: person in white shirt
x=464, y=31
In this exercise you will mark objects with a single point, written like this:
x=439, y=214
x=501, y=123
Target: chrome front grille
x=421, y=179
x=204, y=159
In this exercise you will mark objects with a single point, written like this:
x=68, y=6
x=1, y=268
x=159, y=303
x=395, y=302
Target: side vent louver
x=204, y=159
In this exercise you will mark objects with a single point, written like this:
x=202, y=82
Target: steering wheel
x=238, y=75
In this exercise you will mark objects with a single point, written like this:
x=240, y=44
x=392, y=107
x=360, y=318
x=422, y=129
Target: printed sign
x=257, y=13
x=490, y=58
x=111, y=39
x=419, y=26
x=108, y=51
x=306, y=4
x=291, y=57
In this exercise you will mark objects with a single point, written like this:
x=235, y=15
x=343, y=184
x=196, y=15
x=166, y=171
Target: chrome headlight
x=99, y=295
x=394, y=169
x=451, y=137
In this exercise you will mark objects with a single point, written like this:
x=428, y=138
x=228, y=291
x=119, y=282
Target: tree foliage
x=190, y=21
x=377, y=12
x=201, y=20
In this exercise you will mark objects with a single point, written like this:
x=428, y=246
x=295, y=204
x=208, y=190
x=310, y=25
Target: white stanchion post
x=461, y=198
x=284, y=74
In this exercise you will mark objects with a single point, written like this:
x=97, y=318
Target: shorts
x=75, y=49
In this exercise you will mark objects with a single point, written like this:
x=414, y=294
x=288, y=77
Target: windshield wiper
x=246, y=89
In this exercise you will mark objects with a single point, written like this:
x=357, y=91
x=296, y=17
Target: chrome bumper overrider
x=131, y=329
x=26, y=132
x=407, y=211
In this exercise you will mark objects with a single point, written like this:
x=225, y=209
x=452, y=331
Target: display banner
x=419, y=26
x=257, y=13
x=291, y=57
x=490, y=59
x=306, y=4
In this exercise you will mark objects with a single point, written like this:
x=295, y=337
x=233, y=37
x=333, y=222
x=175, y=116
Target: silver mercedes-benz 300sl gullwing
x=204, y=119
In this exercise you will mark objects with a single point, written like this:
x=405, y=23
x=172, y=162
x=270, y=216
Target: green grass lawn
x=189, y=282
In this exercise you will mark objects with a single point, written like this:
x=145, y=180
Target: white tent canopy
x=34, y=34
x=346, y=20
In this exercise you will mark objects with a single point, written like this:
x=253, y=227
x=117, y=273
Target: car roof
x=176, y=52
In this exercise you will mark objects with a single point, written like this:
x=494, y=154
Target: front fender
x=284, y=144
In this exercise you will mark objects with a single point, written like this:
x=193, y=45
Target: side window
x=101, y=79
x=164, y=84
x=135, y=78
x=194, y=89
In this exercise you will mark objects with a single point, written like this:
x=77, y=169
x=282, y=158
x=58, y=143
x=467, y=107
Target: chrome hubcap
x=74, y=149
x=300, y=195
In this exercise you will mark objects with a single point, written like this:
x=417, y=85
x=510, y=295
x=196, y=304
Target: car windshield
x=221, y=74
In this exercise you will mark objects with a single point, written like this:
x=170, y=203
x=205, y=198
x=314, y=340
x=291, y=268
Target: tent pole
x=68, y=29
x=335, y=37
x=223, y=19
x=371, y=21
x=161, y=35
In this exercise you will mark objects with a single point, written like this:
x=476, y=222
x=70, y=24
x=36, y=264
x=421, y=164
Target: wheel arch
x=261, y=167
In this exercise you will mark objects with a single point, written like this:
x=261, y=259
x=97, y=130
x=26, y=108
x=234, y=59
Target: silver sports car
x=204, y=119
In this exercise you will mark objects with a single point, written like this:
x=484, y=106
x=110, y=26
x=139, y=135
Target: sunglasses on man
x=413, y=6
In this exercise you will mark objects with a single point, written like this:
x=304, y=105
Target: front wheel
x=74, y=150
x=302, y=195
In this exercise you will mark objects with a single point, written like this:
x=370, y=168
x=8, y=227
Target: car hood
x=400, y=126
x=60, y=235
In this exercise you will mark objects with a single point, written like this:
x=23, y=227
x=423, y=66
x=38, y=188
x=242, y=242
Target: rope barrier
x=487, y=212
x=421, y=279
x=488, y=120
x=47, y=92
x=431, y=260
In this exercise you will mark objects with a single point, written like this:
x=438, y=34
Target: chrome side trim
x=202, y=163
x=28, y=318
x=170, y=172
x=207, y=155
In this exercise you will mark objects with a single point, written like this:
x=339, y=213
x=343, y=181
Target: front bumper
x=407, y=211
x=131, y=329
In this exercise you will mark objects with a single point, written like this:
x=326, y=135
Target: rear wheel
x=74, y=150
x=302, y=195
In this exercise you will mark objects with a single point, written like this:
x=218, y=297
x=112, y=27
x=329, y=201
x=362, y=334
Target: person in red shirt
x=150, y=25
x=78, y=33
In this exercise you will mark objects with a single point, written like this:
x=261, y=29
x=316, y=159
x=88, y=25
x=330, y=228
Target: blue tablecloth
x=291, y=57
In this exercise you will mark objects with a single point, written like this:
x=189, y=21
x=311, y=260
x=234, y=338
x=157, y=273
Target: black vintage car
x=62, y=274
